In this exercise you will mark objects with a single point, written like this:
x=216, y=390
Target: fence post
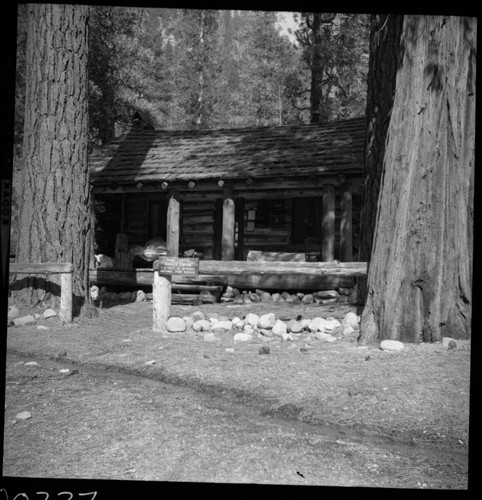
x=161, y=301
x=65, y=312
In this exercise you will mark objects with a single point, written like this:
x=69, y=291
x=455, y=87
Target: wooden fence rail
x=65, y=269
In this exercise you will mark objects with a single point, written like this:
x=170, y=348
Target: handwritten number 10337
x=44, y=495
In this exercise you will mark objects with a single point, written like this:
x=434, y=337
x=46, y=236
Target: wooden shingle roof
x=152, y=156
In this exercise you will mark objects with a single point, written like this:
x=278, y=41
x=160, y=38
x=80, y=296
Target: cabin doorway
x=306, y=219
x=157, y=219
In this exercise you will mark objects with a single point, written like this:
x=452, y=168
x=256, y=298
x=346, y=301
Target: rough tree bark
x=420, y=277
x=55, y=217
x=385, y=32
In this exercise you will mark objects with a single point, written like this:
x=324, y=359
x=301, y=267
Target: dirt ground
x=416, y=397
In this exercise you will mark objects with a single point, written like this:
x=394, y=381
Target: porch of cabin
x=317, y=222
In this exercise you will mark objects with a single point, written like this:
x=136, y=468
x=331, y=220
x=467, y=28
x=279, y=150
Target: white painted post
x=65, y=312
x=161, y=301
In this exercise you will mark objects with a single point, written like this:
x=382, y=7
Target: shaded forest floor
x=418, y=396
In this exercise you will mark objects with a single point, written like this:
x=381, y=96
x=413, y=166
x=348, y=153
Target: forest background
x=188, y=69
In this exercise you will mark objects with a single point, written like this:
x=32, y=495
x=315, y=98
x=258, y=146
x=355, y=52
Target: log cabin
x=263, y=193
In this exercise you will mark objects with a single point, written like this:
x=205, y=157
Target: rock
x=148, y=295
x=237, y=322
x=293, y=299
x=324, y=336
x=175, y=324
x=254, y=297
x=391, y=345
x=196, y=315
x=238, y=299
x=252, y=319
x=305, y=322
x=151, y=362
x=294, y=326
x=264, y=349
x=331, y=324
x=31, y=363
x=201, y=325
x=286, y=336
x=351, y=319
x=347, y=330
x=37, y=316
x=94, y=292
x=24, y=320
x=265, y=297
x=222, y=325
x=210, y=337
x=140, y=296
x=42, y=327
x=275, y=297
x=188, y=320
x=326, y=301
x=246, y=299
x=327, y=294
x=449, y=343
x=229, y=349
x=316, y=324
x=308, y=299
x=125, y=296
x=13, y=313
x=267, y=320
x=300, y=295
x=265, y=332
x=23, y=415
x=248, y=329
x=49, y=313
x=285, y=295
x=242, y=337
x=279, y=328
x=64, y=370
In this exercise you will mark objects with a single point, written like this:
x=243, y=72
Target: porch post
x=346, y=232
x=239, y=215
x=227, y=237
x=328, y=224
x=173, y=224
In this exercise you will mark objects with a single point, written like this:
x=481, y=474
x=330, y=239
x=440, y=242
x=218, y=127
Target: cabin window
x=306, y=219
x=271, y=214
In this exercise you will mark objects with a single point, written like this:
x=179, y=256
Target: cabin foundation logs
x=210, y=294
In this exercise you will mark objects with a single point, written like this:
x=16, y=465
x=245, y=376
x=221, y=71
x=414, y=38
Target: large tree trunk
x=420, y=277
x=55, y=218
x=385, y=32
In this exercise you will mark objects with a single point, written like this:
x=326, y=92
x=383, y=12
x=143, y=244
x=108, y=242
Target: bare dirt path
x=92, y=423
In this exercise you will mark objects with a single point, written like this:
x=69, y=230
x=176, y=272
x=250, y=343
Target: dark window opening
x=306, y=219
